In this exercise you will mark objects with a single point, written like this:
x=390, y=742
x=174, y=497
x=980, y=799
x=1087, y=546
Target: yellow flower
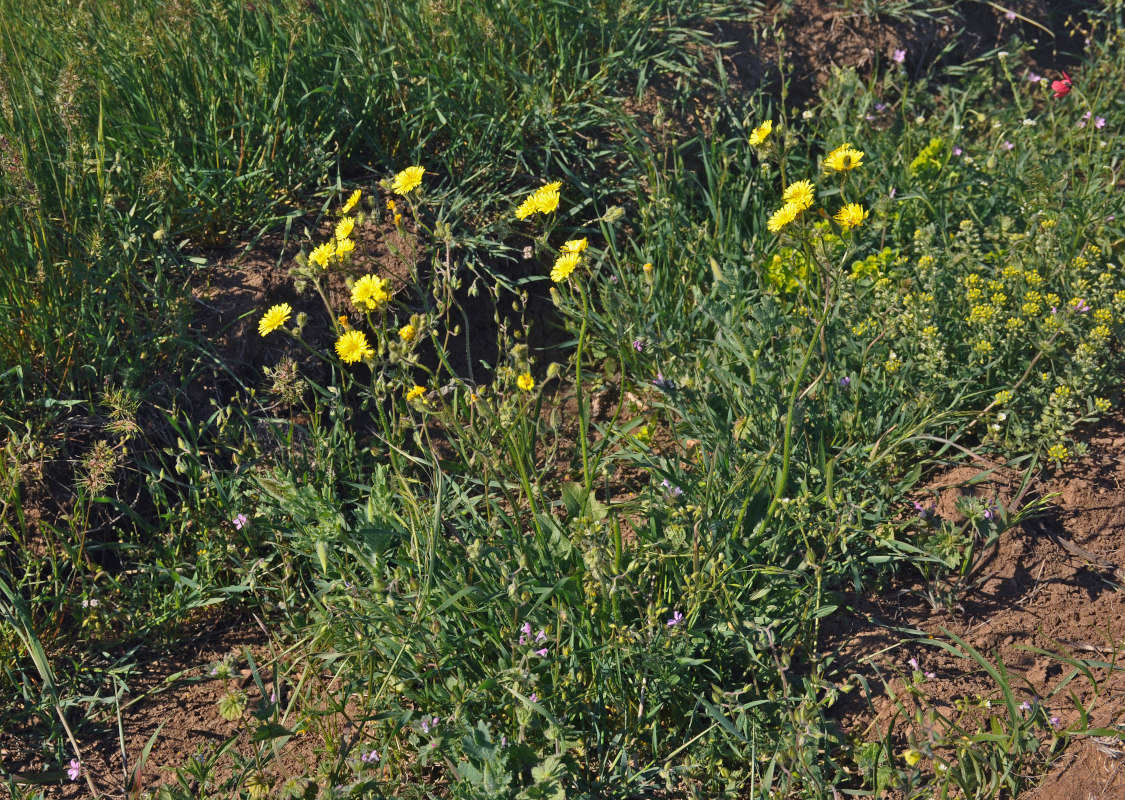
x=566, y=264
x=408, y=180
x=322, y=256
x=761, y=133
x=574, y=245
x=345, y=227
x=543, y=200
x=343, y=320
x=274, y=318
x=911, y=756
x=371, y=293
x=800, y=193
x=1003, y=397
x=398, y=219
x=344, y=248
x=526, y=382
x=391, y=204
x=353, y=347
x=851, y=216
x=1058, y=452
x=407, y=333
x=843, y=158
x=352, y=201
x=783, y=216
x=415, y=393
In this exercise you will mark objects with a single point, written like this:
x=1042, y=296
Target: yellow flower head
x=574, y=245
x=352, y=201
x=391, y=206
x=543, y=200
x=526, y=382
x=416, y=393
x=322, y=255
x=761, y=133
x=407, y=333
x=274, y=318
x=408, y=180
x=851, y=216
x=566, y=264
x=371, y=293
x=843, y=158
x=344, y=248
x=352, y=347
x=782, y=217
x=345, y=227
x=800, y=193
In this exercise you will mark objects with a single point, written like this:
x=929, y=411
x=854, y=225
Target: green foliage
x=605, y=575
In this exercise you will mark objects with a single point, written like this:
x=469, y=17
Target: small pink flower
x=534, y=697
x=676, y=619
x=241, y=521
x=74, y=769
x=899, y=56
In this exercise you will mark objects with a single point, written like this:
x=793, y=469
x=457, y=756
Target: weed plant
x=476, y=575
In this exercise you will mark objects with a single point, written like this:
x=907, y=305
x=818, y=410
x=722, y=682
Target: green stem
x=583, y=433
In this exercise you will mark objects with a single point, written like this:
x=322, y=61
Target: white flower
x=1029, y=122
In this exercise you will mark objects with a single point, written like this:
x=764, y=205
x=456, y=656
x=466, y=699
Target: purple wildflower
x=533, y=697
x=899, y=56
x=675, y=491
x=1099, y=123
x=845, y=382
x=639, y=345
x=1080, y=306
x=542, y=652
x=541, y=636
x=74, y=769
x=240, y=521
x=1025, y=707
x=957, y=151
x=892, y=193
x=1008, y=145
x=663, y=383
x=676, y=619
x=1054, y=722
x=370, y=758
x=1010, y=16
x=880, y=107
x=1033, y=78
x=913, y=662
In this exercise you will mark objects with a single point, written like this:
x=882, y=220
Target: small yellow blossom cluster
x=543, y=200
x=801, y=195
x=570, y=256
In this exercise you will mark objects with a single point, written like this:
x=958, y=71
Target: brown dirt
x=1053, y=583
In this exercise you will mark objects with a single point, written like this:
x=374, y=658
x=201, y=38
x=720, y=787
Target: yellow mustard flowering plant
x=416, y=393
x=526, y=382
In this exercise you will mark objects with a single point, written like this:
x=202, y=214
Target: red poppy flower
x=1062, y=87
